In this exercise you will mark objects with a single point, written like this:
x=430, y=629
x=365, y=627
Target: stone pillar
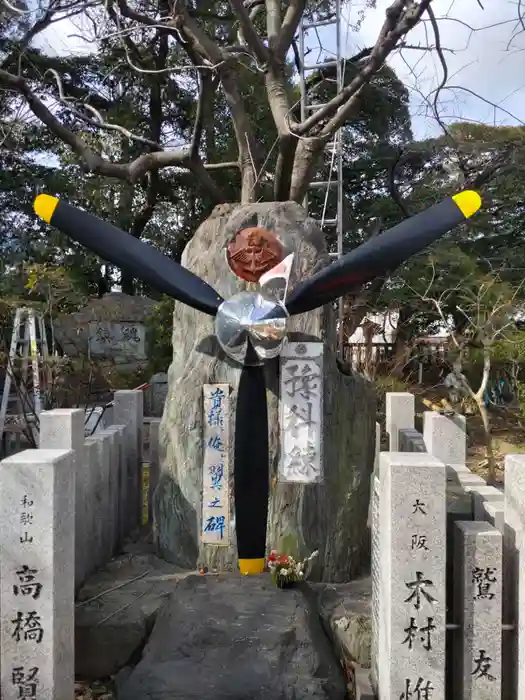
x=37, y=577
x=63, y=429
x=377, y=616
x=129, y=411
x=375, y=474
x=514, y=578
x=154, y=464
x=412, y=576
x=115, y=459
x=399, y=414
x=477, y=606
x=100, y=499
x=445, y=437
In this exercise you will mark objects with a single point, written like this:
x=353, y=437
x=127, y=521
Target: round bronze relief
x=252, y=252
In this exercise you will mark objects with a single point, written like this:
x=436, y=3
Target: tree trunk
x=330, y=517
x=485, y=416
x=401, y=344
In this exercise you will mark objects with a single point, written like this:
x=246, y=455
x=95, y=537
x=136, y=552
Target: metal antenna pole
x=334, y=148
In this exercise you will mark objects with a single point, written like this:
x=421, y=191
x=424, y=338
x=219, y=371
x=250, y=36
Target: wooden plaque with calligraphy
x=215, y=526
x=254, y=251
x=301, y=413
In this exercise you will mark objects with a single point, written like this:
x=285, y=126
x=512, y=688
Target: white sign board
x=215, y=526
x=301, y=413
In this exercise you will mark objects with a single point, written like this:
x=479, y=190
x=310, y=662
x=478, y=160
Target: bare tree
x=487, y=308
x=216, y=61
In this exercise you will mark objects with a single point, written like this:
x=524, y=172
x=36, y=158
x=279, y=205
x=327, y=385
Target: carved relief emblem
x=253, y=252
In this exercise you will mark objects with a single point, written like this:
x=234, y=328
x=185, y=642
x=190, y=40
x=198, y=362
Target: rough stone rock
x=228, y=637
x=125, y=598
x=330, y=517
x=72, y=330
x=345, y=610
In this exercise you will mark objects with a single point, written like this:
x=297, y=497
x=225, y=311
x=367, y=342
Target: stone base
x=169, y=633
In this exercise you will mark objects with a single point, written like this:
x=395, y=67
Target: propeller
x=251, y=326
x=137, y=258
x=383, y=253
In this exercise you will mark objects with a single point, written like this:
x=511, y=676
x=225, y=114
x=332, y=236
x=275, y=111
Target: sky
x=484, y=51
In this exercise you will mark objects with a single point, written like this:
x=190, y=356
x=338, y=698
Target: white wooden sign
x=215, y=526
x=301, y=413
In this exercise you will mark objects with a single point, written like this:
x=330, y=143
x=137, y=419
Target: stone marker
x=410, y=440
x=154, y=464
x=100, y=499
x=477, y=609
x=375, y=575
x=412, y=576
x=123, y=481
x=514, y=575
x=129, y=411
x=482, y=495
x=490, y=512
x=374, y=474
x=399, y=414
x=37, y=550
x=445, y=437
x=111, y=454
x=63, y=429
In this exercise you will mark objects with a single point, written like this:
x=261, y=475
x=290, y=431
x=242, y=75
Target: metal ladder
x=334, y=147
x=28, y=348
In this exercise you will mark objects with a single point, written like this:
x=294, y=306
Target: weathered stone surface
x=232, y=637
x=75, y=332
x=410, y=440
x=330, y=517
x=111, y=629
x=345, y=611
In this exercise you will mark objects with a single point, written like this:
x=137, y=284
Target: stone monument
x=250, y=328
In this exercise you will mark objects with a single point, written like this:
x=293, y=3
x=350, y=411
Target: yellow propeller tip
x=44, y=206
x=468, y=202
x=249, y=567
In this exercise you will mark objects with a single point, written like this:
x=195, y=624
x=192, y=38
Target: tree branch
x=399, y=21
x=249, y=32
x=290, y=24
x=273, y=22
x=93, y=162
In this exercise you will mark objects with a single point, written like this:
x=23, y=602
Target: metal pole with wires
x=335, y=176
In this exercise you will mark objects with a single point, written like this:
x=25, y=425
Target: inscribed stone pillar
x=37, y=578
x=63, y=429
x=399, y=414
x=477, y=606
x=129, y=411
x=412, y=576
x=514, y=577
x=445, y=437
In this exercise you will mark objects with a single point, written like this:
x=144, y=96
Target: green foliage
x=159, y=332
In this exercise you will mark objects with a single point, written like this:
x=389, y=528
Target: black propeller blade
x=251, y=479
x=382, y=254
x=137, y=258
